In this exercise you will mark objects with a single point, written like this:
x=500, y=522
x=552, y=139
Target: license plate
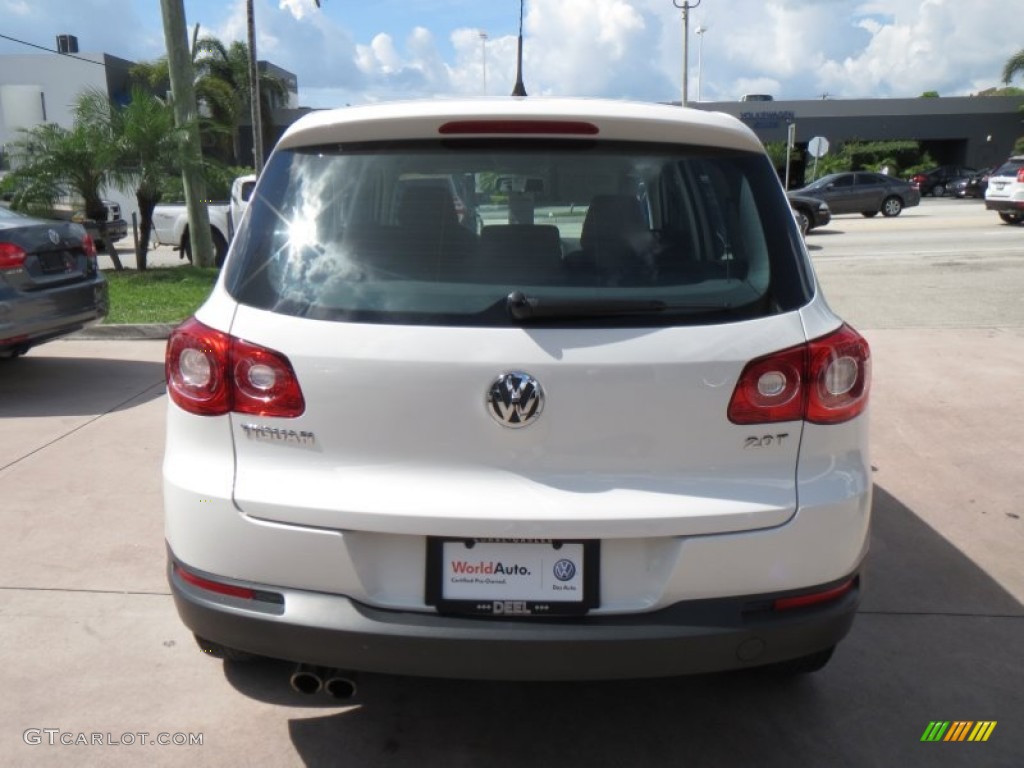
x=505, y=577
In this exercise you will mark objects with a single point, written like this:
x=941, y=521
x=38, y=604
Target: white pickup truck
x=170, y=220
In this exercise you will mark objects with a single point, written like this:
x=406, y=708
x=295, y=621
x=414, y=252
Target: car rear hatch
x=1005, y=180
x=629, y=283
x=633, y=439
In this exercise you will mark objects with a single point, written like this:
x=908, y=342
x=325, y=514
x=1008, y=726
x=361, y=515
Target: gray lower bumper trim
x=688, y=638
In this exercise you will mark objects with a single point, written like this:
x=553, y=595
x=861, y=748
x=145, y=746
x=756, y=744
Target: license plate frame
x=483, y=599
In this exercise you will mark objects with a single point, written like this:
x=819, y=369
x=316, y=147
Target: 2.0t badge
x=515, y=399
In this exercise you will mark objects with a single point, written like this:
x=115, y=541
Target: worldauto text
x=55, y=736
x=489, y=568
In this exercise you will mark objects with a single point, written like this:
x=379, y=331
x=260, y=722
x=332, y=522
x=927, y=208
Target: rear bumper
x=686, y=638
x=27, y=319
x=1005, y=206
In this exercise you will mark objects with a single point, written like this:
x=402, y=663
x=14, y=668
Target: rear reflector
x=814, y=598
x=519, y=127
x=214, y=586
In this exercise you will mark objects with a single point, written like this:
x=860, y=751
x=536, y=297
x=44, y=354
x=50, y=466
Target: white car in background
x=1005, y=193
x=241, y=192
x=617, y=432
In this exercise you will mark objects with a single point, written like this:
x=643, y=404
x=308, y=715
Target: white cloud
x=297, y=8
x=614, y=48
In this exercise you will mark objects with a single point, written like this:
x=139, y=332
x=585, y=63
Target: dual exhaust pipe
x=335, y=683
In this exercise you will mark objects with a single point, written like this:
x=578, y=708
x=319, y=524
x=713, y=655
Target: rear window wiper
x=523, y=307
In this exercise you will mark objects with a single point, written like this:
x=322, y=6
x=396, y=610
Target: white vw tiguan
x=605, y=427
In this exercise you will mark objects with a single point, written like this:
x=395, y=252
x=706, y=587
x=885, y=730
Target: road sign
x=818, y=146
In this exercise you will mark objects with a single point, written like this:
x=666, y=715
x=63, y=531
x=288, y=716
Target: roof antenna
x=520, y=89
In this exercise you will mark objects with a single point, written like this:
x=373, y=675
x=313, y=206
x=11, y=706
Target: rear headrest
x=521, y=241
x=427, y=208
x=612, y=217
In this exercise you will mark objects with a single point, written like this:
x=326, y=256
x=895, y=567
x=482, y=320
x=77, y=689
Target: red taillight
x=814, y=598
x=211, y=373
x=770, y=389
x=1020, y=175
x=824, y=382
x=11, y=256
x=519, y=127
x=89, y=247
x=839, y=376
x=214, y=586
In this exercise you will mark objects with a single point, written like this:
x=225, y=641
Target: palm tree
x=52, y=162
x=222, y=90
x=1014, y=66
x=144, y=144
x=217, y=121
x=222, y=84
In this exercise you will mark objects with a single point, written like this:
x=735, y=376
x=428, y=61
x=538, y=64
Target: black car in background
x=937, y=181
x=810, y=212
x=49, y=282
x=863, y=192
x=970, y=185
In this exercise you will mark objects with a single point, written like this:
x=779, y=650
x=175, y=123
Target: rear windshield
x=504, y=233
x=1010, y=167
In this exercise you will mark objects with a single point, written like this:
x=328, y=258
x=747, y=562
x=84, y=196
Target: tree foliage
x=54, y=164
x=1014, y=66
x=897, y=158
x=144, y=144
x=222, y=90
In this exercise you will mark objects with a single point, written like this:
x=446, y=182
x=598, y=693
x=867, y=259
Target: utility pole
x=686, y=8
x=254, y=91
x=179, y=64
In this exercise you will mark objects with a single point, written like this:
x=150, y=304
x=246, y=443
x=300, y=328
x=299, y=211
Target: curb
x=139, y=332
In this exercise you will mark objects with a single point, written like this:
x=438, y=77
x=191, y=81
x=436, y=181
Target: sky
x=381, y=50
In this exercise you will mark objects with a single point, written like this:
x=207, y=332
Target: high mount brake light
x=519, y=127
x=825, y=381
x=211, y=373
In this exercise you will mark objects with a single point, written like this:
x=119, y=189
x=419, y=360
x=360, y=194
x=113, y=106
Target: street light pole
x=519, y=89
x=700, y=59
x=686, y=8
x=254, y=91
x=483, y=50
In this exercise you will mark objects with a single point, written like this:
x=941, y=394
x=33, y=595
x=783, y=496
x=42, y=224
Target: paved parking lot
x=91, y=643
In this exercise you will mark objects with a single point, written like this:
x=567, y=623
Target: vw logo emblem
x=54, y=237
x=564, y=570
x=515, y=399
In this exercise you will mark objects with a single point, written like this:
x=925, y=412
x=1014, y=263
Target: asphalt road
x=91, y=643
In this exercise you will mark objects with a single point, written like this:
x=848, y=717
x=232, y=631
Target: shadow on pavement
x=76, y=386
x=936, y=639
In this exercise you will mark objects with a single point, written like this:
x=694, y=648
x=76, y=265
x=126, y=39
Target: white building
x=37, y=88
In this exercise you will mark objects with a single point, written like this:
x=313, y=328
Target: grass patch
x=167, y=295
